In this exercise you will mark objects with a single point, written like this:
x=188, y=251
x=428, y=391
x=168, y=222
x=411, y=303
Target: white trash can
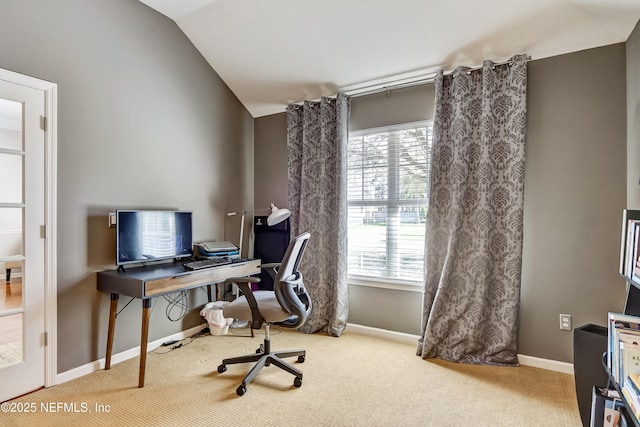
x=212, y=312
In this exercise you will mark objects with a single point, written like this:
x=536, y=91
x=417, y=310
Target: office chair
x=288, y=305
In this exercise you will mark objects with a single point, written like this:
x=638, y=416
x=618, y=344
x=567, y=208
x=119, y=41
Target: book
x=611, y=413
x=628, y=249
x=629, y=354
x=628, y=337
x=634, y=271
x=623, y=241
x=628, y=246
x=631, y=247
x=635, y=261
x=633, y=405
x=634, y=377
x=634, y=390
x=619, y=323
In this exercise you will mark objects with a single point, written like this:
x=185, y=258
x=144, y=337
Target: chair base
x=265, y=357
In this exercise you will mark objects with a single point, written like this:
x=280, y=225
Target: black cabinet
x=589, y=344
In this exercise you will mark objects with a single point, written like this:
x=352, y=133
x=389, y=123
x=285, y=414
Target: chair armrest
x=272, y=269
x=243, y=284
x=270, y=265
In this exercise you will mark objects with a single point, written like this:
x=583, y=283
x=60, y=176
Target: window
x=388, y=174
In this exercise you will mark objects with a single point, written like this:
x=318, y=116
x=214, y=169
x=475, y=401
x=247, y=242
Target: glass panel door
x=11, y=232
x=22, y=242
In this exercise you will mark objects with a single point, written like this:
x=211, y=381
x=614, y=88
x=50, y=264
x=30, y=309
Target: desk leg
x=146, y=312
x=112, y=326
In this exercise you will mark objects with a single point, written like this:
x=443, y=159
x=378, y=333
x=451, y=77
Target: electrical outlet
x=565, y=322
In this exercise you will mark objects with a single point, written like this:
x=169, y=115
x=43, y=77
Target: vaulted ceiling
x=274, y=52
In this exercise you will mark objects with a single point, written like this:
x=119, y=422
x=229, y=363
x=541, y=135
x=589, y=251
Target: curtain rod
x=418, y=81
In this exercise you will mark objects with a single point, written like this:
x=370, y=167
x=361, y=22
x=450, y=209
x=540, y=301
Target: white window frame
x=384, y=282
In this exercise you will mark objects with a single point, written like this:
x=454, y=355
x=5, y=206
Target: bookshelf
x=622, y=360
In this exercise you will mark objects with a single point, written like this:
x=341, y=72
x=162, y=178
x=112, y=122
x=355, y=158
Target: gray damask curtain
x=317, y=174
x=473, y=251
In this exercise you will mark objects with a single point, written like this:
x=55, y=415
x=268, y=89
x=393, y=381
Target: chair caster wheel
x=222, y=368
x=241, y=390
x=300, y=359
x=297, y=382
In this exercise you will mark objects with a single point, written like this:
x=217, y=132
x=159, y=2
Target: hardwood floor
x=11, y=298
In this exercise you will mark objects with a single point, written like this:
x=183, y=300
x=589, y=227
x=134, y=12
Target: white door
x=22, y=242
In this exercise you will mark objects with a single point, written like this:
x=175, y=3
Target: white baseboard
x=383, y=333
x=548, y=364
x=534, y=362
x=97, y=365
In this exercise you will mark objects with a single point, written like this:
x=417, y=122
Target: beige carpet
x=353, y=380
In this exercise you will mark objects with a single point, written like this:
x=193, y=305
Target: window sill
x=385, y=284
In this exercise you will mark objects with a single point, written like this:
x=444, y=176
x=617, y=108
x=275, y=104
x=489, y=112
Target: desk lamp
x=276, y=216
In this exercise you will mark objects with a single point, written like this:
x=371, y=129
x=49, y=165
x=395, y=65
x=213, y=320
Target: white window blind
x=388, y=175
x=158, y=231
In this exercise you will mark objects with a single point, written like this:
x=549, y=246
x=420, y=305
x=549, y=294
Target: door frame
x=50, y=257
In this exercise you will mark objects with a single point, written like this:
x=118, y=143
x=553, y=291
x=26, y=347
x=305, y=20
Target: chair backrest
x=289, y=285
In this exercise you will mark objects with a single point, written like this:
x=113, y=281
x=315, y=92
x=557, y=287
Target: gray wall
x=143, y=122
x=574, y=196
x=398, y=310
x=633, y=119
x=271, y=161
x=391, y=108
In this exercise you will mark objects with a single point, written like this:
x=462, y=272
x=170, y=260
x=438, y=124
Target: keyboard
x=206, y=263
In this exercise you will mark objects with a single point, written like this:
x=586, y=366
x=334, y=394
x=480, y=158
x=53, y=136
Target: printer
x=217, y=250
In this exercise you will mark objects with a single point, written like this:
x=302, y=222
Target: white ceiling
x=274, y=52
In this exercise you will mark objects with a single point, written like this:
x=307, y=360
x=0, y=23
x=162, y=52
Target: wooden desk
x=152, y=281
